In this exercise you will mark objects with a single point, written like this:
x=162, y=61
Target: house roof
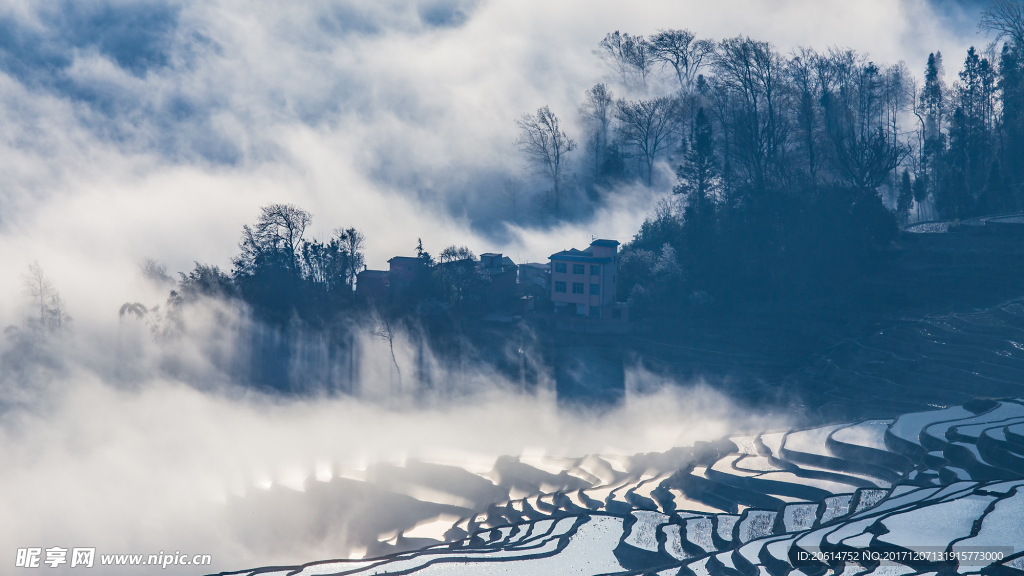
x=574, y=255
x=539, y=265
x=505, y=264
x=369, y=273
x=405, y=259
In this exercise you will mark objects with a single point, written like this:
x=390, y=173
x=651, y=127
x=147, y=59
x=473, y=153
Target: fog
x=134, y=130
x=131, y=464
x=131, y=136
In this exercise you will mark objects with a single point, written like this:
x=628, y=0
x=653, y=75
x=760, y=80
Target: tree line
x=799, y=121
x=279, y=273
x=792, y=171
x=301, y=293
x=283, y=277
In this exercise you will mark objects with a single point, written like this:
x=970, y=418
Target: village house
x=502, y=271
x=371, y=284
x=583, y=281
x=499, y=272
x=403, y=270
x=580, y=283
x=401, y=273
x=535, y=274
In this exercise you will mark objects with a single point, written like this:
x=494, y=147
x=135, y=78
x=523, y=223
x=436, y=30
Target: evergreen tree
x=700, y=184
x=1011, y=89
x=970, y=138
x=699, y=174
x=995, y=197
x=932, y=105
x=905, y=201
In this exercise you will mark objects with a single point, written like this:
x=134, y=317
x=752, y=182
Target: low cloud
x=397, y=118
x=115, y=453
x=131, y=130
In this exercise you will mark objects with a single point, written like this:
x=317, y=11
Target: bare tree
x=750, y=81
x=683, y=52
x=546, y=147
x=598, y=112
x=857, y=106
x=383, y=329
x=1006, y=19
x=804, y=74
x=630, y=57
x=279, y=229
x=455, y=253
x=351, y=241
x=612, y=51
x=44, y=299
x=59, y=319
x=917, y=109
x=649, y=127
x=38, y=289
x=898, y=94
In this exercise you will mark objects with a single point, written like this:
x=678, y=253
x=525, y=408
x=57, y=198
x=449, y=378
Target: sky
x=157, y=129
x=133, y=130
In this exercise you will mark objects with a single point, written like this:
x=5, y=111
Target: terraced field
x=939, y=360
x=946, y=482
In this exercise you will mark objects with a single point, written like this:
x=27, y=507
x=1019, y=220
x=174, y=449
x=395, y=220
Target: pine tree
x=700, y=183
x=699, y=174
x=1011, y=89
x=932, y=104
x=970, y=136
x=906, y=199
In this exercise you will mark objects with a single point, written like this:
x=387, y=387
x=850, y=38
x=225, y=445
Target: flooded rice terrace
x=936, y=489
x=921, y=493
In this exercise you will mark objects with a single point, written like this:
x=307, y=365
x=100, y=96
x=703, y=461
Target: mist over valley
x=469, y=286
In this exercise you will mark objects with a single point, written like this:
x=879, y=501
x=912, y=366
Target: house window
x=595, y=269
x=577, y=287
x=560, y=287
x=560, y=268
x=595, y=288
x=579, y=269
x=595, y=312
